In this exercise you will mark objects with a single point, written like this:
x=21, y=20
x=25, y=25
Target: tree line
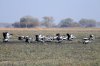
x=48, y=22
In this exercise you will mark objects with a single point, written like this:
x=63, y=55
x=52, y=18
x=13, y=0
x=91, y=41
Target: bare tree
x=48, y=21
x=29, y=21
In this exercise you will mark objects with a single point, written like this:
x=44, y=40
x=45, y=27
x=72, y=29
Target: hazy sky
x=13, y=10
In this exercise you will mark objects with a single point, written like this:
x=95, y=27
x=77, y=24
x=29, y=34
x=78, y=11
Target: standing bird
x=58, y=37
x=6, y=36
x=89, y=39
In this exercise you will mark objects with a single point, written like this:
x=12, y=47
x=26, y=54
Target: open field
x=17, y=53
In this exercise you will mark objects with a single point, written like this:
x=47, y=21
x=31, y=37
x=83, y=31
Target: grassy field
x=74, y=53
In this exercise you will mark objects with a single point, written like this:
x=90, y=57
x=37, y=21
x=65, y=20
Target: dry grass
x=73, y=53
